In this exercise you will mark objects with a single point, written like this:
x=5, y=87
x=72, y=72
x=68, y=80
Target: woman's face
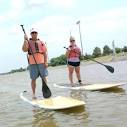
x=72, y=42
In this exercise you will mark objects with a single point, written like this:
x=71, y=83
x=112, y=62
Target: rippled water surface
x=103, y=108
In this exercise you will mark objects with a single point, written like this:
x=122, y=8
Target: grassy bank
x=109, y=58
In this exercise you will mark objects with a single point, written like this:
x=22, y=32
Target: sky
x=101, y=22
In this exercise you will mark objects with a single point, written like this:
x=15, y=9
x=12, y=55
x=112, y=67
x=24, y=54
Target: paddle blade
x=111, y=69
x=46, y=91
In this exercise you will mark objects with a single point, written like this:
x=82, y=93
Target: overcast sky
x=101, y=22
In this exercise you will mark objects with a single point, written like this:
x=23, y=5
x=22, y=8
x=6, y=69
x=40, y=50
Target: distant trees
x=61, y=60
x=14, y=71
x=106, y=50
x=125, y=49
x=118, y=50
x=96, y=52
x=17, y=70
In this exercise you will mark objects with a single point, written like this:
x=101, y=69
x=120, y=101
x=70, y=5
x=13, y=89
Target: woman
x=73, y=54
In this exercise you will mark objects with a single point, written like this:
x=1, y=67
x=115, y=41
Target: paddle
x=45, y=89
x=111, y=69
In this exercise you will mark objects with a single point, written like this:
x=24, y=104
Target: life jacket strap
x=36, y=48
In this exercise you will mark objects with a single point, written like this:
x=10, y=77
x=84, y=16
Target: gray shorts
x=37, y=70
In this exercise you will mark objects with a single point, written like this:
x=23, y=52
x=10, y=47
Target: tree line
x=61, y=60
x=107, y=51
x=14, y=71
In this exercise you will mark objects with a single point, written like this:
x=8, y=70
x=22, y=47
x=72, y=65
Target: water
x=102, y=109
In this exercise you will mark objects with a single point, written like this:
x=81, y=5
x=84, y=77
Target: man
x=37, y=58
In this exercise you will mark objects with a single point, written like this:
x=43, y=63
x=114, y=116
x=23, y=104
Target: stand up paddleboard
x=90, y=87
x=54, y=103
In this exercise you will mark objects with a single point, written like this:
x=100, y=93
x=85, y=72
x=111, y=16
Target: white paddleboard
x=54, y=103
x=90, y=87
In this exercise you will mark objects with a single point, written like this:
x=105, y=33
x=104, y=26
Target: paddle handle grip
x=23, y=29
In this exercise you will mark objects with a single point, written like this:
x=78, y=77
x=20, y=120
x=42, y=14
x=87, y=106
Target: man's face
x=34, y=34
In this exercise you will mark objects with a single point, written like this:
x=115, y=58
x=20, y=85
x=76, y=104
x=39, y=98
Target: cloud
x=37, y=2
x=52, y=3
x=109, y=20
x=52, y=25
x=105, y=25
x=102, y=28
x=61, y=3
x=17, y=6
x=14, y=12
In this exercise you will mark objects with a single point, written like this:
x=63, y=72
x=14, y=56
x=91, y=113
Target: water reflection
x=114, y=90
x=78, y=94
x=58, y=118
x=43, y=118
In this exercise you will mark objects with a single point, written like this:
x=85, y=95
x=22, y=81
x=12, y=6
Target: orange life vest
x=36, y=47
x=74, y=52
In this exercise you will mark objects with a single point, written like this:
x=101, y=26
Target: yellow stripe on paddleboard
x=59, y=102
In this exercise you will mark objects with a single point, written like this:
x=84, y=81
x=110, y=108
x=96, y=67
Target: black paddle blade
x=111, y=69
x=46, y=91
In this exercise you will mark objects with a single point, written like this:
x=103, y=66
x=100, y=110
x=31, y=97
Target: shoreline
x=103, y=59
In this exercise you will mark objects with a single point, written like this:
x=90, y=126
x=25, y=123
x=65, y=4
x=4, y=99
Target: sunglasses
x=34, y=33
x=72, y=40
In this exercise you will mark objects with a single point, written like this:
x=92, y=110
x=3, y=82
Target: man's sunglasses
x=34, y=33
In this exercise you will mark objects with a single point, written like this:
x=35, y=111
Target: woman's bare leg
x=71, y=70
x=77, y=70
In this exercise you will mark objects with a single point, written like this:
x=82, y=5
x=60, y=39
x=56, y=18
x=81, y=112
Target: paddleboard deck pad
x=53, y=103
x=89, y=87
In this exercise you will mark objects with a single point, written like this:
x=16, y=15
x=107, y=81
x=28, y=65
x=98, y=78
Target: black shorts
x=75, y=64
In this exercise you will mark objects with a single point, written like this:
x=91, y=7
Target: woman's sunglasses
x=72, y=40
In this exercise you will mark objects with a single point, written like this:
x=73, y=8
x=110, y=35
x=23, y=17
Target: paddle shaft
x=111, y=69
x=93, y=60
x=44, y=83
